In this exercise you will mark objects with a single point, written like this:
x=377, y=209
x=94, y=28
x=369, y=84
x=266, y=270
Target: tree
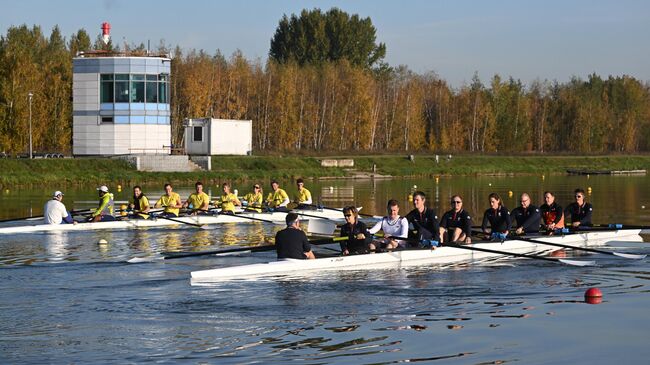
x=314, y=38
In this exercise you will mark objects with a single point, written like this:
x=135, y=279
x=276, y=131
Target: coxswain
x=552, y=214
x=277, y=199
x=139, y=204
x=426, y=229
x=394, y=227
x=171, y=201
x=54, y=211
x=498, y=218
x=356, y=231
x=303, y=196
x=292, y=242
x=198, y=201
x=254, y=199
x=228, y=200
x=104, y=213
x=579, y=211
x=456, y=224
x=527, y=216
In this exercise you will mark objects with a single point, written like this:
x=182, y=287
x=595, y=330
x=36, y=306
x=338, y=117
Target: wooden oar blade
x=577, y=262
x=629, y=255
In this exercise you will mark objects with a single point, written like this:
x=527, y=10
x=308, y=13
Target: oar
x=613, y=253
x=528, y=256
x=178, y=255
x=182, y=222
x=41, y=216
x=611, y=226
x=338, y=210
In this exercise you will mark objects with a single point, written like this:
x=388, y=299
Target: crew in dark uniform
x=356, y=231
x=552, y=214
x=527, y=217
x=498, y=217
x=456, y=224
x=579, y=211
x=292, y=242
x=425, y=222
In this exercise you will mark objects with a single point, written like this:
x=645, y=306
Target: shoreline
x=21, y=172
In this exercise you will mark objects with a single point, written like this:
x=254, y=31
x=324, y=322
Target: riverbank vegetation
x=246, y=168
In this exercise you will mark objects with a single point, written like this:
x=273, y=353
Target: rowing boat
x=414, y=257
x=241, y=217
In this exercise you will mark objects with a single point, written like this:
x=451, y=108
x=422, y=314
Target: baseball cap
x=57, y=193
x=103, y=188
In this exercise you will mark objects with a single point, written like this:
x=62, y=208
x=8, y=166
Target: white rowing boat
x=404, y=258
x=243, y=217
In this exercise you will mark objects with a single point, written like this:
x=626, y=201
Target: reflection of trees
x=172, y=241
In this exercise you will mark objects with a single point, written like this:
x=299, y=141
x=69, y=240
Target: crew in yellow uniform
x=228, y=200
x=303, y=196
x=139, y=204
x=277, y=199
x=171, y=201
x=255, y=199
x=198, y=201
x=104, y=212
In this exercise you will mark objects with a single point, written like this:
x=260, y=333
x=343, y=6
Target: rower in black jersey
x=456, y=224
x=425, y=222
x=498, y=217
x=579, y=211
x=527, y=216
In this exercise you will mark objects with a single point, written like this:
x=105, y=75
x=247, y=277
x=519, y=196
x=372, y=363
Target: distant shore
x=16, y=172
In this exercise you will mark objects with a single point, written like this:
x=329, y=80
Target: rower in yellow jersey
x=278, y=199
x=228, y=200
x=303, y=196
x=198, y=202
x=139, y=204
x=255, y=199
x=171, y=201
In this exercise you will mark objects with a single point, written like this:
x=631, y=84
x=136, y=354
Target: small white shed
x=210, y=136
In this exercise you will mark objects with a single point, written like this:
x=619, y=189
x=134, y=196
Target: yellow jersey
x=140, y=205
x=276, y=198
x=196, y=201
x=169, y=202
x=254, y=202
x=228, y=202
x=303, y=196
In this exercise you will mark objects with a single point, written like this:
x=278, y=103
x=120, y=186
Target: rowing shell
x=404, y=258
x=245, y=217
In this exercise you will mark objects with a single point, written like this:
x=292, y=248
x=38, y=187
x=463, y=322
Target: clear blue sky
x=547, y=39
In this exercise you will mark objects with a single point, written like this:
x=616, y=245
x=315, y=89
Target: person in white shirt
x=55, y=212
x=393, y=226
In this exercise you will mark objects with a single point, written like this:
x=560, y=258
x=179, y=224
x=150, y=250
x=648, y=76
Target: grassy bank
x=234, y=168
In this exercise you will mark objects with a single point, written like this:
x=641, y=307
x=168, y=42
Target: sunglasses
x=578, y=196
x=347, y=215
x=256, y=187
x=456, y=202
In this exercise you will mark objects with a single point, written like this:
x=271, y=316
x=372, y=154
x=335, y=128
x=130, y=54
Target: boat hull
x=405, y=258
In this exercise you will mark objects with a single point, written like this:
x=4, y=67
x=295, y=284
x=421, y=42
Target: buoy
x=102, y=242
x=331, y=188
x=643, y=207
x=593, y=296
x=415, y=187
x=489, y=184
x=119, y=187
x=410, y=197
x=510, y=193
x=589, y=190
x=123, y=207
x=543, y=177
x=437, y=179
x=587, y=176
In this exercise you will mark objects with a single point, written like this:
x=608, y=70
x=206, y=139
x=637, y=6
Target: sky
x=526, y=40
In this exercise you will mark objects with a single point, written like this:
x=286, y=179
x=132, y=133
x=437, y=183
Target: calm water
x=66, y=299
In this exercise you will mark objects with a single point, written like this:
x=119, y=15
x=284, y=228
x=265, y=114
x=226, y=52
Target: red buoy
x=593, y=296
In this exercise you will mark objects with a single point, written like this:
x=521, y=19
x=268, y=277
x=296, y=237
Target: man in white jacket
x=55, y=212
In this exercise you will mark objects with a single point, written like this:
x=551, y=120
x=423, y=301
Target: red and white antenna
x=106, y=32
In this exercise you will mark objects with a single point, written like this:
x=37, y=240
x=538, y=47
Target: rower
x=456, y=224
x=278, y=199
x=171, y=201
x=104, y=213
x=303, y=196
x=198, y=201
x=228, y=200
x=424, y=221
x=292, y=242
x=55, y=212
x=552, y=214
x=139, y=204
x=358, y=236
x=527, y=216
x=579, y=211
x=498, y=217
x=393, y=226
x=254, y=199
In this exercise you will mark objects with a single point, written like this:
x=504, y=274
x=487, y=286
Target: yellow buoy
x=119, y=186
x=410, y=197
x=543, y=177
x=510, y=193
x=437, y=179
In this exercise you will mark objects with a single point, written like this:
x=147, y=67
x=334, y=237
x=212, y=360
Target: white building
x=120, y=105
x=209, y=136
